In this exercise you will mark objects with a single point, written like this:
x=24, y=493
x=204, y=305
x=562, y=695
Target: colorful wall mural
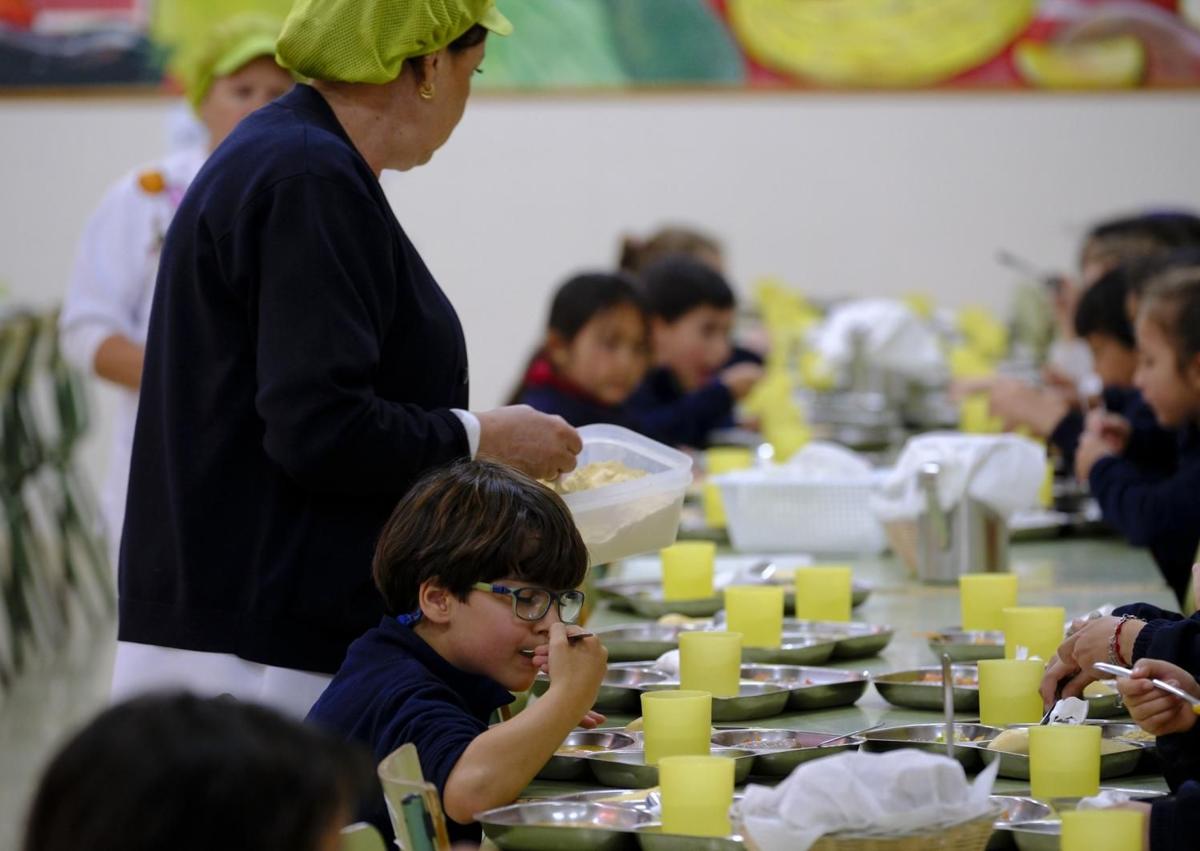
x=753, y=44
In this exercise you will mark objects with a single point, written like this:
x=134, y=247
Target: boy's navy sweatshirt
x=1161, y=514
x=661, y=407
x=1151, y=447
x=301, y=370
x=394, y=689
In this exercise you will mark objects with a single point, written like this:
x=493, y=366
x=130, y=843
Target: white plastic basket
x=775, y=510
x=634, y=517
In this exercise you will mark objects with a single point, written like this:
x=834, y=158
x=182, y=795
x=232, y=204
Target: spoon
x=948, y=701
x=874, y=726
x=572, y=638
x=1118, y=671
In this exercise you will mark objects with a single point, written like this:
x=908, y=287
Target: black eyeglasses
x=531, y=604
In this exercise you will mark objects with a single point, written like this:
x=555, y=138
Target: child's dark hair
x=1172, y=301
x=1101, y=309
x=637, y=254
x=476, y=521
x=195, y=774
x=1131, y=237
x=677, y=285
x=1139, y=274
x=584, y=296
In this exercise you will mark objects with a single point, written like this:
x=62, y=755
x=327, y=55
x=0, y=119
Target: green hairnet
x=224, y=49
x=367, y=41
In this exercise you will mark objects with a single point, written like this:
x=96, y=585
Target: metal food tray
x=624, y=594
x=931, y=738
x=573, y=767
x=828, y=688
x=637, y=642
x=777, y=752
x=967, y=645
x=620, y=690
x=853, y=639
x=627, y=769
x=651, y=838
x=1016, y=766
x=904, y=688
x=558, y=825
x=753, y=702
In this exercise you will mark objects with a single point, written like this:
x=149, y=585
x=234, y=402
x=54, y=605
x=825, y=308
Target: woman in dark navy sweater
x=303, y=367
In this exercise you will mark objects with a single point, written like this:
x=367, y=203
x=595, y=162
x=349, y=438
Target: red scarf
x=541, y=373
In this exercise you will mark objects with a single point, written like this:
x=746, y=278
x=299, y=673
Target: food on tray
x=675, y=619
x=597, y=475
x=935, y=678
x=578, y=750
x=1100, y=688
x=1017, y=742
x=634, y=726
x=1138, y=735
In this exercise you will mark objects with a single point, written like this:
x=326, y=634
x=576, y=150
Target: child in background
x=595, y=353
x=196, y=774
x=1161, y=514
x=478, y=567
x=673, y=241
x=692, y=389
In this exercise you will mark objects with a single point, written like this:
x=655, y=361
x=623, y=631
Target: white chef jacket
x=111, y=290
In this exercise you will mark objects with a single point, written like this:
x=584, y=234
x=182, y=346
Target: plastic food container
x=777, y=510
x=629, y=518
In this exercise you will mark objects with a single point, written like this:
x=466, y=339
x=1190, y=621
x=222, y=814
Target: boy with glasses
x=478, y=567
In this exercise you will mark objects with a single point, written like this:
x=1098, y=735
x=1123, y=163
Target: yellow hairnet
x=367, y=41
x=224, y=49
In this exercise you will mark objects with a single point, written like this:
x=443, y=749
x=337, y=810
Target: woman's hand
x=1155, y=710
x=538, y=444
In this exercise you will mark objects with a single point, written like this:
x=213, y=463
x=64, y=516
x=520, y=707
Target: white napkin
x=1004, y=472
x=822, y=461
x=896, y=338
x=890, y=793
x=1105, y=800
x=668, y=663
x=1069, y=710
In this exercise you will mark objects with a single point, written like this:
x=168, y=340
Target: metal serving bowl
x=572, y=766
x=1039, y=835
x=627, y=769
x=1017, y=810
x=1105, y=706
x=811, y=688
x=1016, y=766
x=795, y=650
x=563, y=826
x=905, y=688
x=754, y=701
x=651, y=838
x=777, y=752
x=967, y=646
x=931, y=737
x=852, y=640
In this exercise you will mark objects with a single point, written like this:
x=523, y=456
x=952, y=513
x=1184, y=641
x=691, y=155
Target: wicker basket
x=966, y=836
x=902, y=538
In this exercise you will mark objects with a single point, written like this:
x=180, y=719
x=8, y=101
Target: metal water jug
x=970, y=538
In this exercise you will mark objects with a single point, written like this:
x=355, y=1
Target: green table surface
x=1079, y=574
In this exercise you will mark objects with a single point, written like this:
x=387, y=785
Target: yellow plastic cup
x=711, y=661
x=1038, y=628
x=1008, y=691
x=824, y=592
x=676, y=722
x=687, y=570
x=983, y=596
x=1102, y=830
x=756, y=611
x=1064, y=761
x=722, y=459
x=1046, y=491
x=697, y=792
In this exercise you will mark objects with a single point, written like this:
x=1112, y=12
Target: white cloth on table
x=147, y=668
x=890, y=793
x=893, y=337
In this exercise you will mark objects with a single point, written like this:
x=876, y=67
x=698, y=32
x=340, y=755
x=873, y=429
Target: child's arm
x=1175, y=819
x=498, y=764
x=1142, y=509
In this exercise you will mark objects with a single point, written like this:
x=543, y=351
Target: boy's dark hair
x=195, y=774
x=677, y=285
x=1131, y=237
x=1172, y=301
x=584, y=296
x=476, y=521
x=1140, y=273
x=1101, y=309
x=637, y=254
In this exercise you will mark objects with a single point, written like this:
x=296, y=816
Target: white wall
x=861, y=193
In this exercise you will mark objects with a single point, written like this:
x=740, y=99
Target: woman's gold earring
x=426, y=91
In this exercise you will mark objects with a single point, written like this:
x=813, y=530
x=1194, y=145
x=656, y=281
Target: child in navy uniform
x=478, y=568
x=595, y=352
x=693, y=388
